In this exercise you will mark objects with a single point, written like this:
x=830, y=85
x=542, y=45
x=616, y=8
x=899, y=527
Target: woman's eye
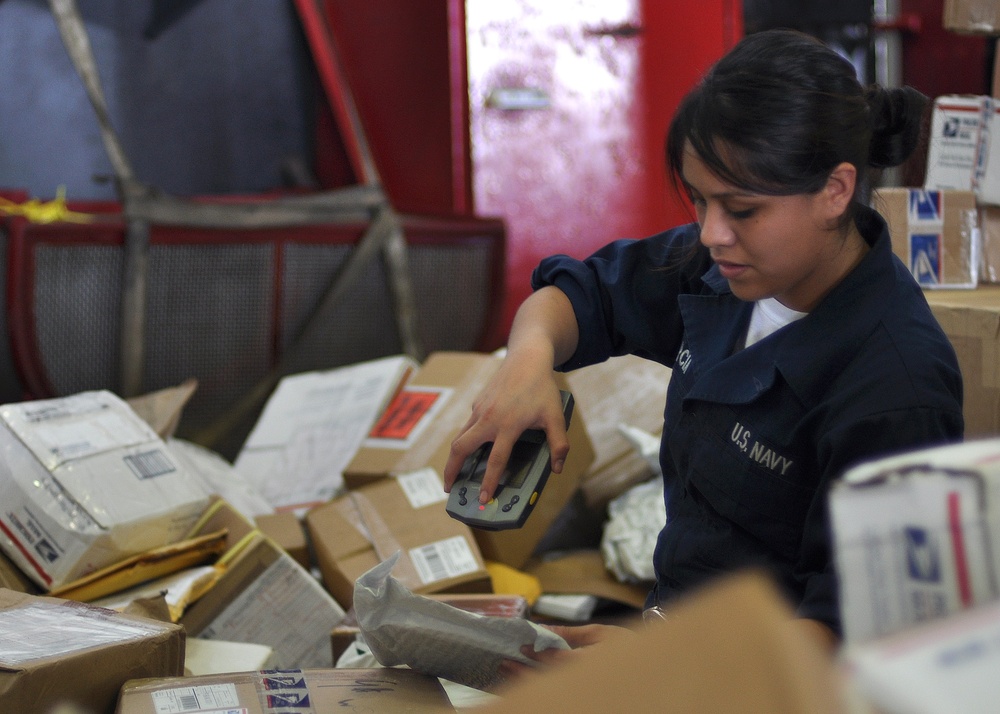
x=743, y=214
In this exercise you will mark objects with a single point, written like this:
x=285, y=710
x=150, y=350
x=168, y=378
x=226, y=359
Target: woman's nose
x=715, y=229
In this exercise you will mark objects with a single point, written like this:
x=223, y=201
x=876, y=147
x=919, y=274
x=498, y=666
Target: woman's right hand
x=523, y=394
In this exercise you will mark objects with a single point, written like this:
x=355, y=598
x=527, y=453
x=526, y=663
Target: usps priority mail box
x=917, y=537
x=84, y=483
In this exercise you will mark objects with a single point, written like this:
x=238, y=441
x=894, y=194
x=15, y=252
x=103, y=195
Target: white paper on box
x=84, y=483
x=937, y=668
x=202, y=657
x=204, y=698
x=915, y=537
x=954, y=155
x=311, y=427
x=422, y=487
x=443, y=559
x=285, y=609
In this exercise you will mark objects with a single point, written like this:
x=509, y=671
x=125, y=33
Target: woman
x=799, y=344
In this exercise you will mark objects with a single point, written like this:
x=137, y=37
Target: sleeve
x=625, y=294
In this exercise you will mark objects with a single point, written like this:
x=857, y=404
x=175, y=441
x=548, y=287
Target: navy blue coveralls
x=753, y=437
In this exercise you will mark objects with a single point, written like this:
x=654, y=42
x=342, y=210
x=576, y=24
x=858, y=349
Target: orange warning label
x=404, y=414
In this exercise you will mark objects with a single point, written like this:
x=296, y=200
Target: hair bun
x=896, y=116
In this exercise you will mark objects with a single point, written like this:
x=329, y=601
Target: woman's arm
x=523, y=394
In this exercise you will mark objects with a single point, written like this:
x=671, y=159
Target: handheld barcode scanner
x=520, y=484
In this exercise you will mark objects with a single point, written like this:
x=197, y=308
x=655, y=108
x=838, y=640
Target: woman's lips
x=731, y=270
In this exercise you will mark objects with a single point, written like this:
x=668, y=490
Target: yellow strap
x=45, y=211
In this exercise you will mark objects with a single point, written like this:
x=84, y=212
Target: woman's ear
x=839, y=190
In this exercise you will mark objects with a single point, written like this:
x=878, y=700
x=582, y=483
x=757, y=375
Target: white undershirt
x=768, y=316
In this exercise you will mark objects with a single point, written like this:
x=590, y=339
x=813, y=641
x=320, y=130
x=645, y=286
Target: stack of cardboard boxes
x=98, y=507
x=96, y=504
x=948, y=231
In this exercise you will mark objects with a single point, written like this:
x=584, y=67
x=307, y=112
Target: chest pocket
x=757, y=482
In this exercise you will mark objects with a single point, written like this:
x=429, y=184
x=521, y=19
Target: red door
x=568, y=106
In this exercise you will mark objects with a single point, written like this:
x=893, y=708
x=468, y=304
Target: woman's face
x=786, y=247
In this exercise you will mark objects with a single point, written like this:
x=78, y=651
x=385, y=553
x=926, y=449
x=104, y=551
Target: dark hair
x=781, y=110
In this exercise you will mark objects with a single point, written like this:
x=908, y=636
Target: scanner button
x=506, y=508
x=462, y=491
x=462, y=501
x=514, y=499
x=534, y=497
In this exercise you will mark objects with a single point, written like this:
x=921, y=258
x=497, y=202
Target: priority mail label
x=925, y=220
x=957, y=134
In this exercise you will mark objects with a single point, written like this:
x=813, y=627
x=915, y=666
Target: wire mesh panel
x=76, y=315
x=229, y=307
x=209, y=315
x=360, y=327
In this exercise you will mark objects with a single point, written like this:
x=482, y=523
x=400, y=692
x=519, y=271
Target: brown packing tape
x=989, y=260
x=370, y=523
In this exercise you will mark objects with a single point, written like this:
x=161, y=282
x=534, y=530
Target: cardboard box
x=622, y=390
x=584, y=572
x=989, y=257
x=311, y=426
x=289, y=532
x=915, y=537
x=84, y=482
x=935, y=233
x=971, y=319
x=308, y=690
x=959, y=156
x=263, y=597
x=988, y=173
x=949, y=665
x=55, y=652
x=357, y=531
x=731, y=646
x=416, y=432
x=488, y=605
x=972, y=16
x=958, y=123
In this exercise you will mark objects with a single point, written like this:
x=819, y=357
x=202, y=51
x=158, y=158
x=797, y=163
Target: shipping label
x=444, y=559
x=422, y=488
x=407, y=416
